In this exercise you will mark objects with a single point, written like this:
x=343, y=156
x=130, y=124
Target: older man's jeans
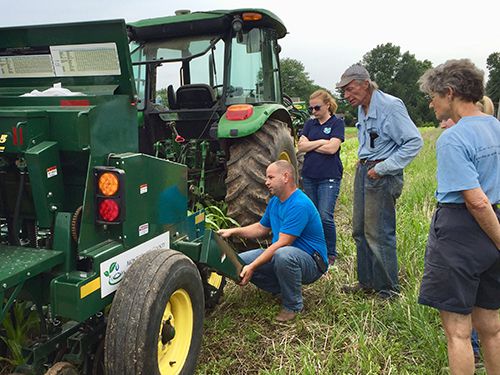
x=324, y=193
x=289, y=268
x=374, y=229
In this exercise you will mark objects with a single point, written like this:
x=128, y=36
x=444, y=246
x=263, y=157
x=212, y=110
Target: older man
x=388, y=142
x=462, y=260
x=297, y=254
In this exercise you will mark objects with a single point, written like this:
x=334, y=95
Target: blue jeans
x=475, y=342
x=289, y=268
x=374, y=229
x=324, y=193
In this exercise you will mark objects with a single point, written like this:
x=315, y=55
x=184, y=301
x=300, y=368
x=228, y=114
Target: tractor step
x=18, y=264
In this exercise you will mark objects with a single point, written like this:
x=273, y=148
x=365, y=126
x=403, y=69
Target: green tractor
x=210, y=97
x=97, y=246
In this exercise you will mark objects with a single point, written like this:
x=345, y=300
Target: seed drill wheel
x=249, y=158
x=62, y=368
x=156, y=319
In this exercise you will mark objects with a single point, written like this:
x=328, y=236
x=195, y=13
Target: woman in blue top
x=322, y=171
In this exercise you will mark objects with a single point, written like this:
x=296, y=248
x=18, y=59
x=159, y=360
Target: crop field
x=339, y=333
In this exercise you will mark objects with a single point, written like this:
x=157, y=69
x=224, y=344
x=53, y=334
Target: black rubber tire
x=133, y=330
x=247, y=194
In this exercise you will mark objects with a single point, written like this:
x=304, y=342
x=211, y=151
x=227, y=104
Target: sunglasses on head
x=314, y=108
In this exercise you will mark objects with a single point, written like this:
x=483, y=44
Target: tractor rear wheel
x=156, y=319
x=247, y=195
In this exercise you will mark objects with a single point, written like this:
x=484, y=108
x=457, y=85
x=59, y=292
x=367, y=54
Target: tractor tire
x=62, y=368
x=156, y=319
x=247, y=194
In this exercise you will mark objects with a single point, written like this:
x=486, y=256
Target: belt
x=451, y=205
x=370, y=162
x=462, y=205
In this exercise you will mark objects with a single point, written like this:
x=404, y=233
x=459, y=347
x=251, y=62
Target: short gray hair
x=285, y=166
x=462, y=76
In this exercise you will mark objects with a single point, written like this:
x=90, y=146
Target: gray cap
x=355, y=71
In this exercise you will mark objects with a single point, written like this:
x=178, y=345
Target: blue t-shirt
x=468, y=157
x=318, y=165
x=296, y=216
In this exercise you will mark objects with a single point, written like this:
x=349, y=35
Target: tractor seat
x=193, y=96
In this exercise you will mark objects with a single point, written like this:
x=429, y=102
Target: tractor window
x=204, y=55
x=254, y=74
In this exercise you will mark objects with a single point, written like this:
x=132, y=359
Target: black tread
x=247, y=194
x=131, y=343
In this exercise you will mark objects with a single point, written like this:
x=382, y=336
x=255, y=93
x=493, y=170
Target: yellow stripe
x=90, y=287
x=199, y=218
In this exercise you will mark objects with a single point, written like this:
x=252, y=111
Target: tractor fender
x=228, y=129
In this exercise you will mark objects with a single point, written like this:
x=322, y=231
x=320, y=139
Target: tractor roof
x=196, y=23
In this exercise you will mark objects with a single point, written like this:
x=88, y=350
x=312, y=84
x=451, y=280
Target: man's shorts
x=462, y=264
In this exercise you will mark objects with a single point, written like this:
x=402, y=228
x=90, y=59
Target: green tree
x=295, y=80
x=397, y=74
x=493, y=85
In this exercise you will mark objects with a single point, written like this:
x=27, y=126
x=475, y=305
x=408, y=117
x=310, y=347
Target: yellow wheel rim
x=284, y=156
x=215, y=280
x=176, y=331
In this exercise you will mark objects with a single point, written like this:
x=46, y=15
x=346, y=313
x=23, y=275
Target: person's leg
x=363, y=257
x=487, y=323
x=380, y=230
x=310, y=187
x=474, y=340
x=294, y=267
x=327, y=192
x=264, y=276
x=457, y=328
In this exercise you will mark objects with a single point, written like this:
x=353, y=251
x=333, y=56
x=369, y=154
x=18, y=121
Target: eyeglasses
x=314, y=108
x=429, y=97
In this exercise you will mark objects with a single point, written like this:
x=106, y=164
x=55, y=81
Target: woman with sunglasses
x=322, y=171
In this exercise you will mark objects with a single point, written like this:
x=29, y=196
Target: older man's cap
x=355, y=71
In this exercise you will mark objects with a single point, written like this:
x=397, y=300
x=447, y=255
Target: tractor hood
x=88, y=57
x=197, y=23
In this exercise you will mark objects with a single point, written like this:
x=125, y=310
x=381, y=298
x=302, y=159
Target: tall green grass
x=339, y=333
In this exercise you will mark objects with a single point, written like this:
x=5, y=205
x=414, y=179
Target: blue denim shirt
x=388, y=128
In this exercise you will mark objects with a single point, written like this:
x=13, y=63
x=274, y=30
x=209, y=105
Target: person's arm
x=265, y=257
x=255, y=230
x=305, y=145
x=480, y=208
x=403, y=132
x=331, y=147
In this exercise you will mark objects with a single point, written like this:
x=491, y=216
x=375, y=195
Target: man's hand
x=373, y=175
x=226, y=233
x=246, y=274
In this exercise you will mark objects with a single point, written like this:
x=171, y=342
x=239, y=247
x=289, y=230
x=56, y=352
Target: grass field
x=338, y=333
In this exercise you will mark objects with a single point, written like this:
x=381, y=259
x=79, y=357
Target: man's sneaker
x=285, y=315
x=356, y=288
x=478, y=363
x=387, y=295
x=331, y=260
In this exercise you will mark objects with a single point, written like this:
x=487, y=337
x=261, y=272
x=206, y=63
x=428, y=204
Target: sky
x=326, y=36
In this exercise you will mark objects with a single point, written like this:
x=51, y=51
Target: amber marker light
x=238, y=112
x=251, y=16
x=108, y=183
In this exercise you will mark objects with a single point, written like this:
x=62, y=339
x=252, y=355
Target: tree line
x=395, y=72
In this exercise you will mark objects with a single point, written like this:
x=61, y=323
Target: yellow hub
x=215, y=280
x=284, y=156
x=176, y=331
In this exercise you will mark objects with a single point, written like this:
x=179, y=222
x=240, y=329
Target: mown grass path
x=338, y=333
